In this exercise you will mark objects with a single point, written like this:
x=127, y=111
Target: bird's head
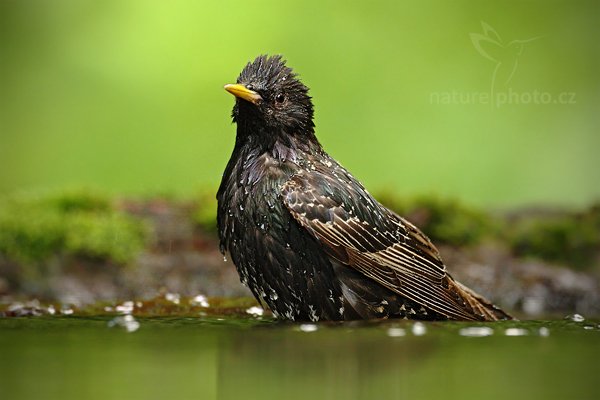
x=271, y=102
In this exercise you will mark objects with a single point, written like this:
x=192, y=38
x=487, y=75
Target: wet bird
x=306, y=237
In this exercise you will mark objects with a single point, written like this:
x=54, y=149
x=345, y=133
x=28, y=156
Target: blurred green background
x=126, y=96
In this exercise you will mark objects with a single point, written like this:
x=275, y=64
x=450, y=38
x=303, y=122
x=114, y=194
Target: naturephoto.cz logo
x=505, y=61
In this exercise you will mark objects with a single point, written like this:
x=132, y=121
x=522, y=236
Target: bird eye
x=280, y=98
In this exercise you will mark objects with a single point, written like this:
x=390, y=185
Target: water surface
x=247, y=358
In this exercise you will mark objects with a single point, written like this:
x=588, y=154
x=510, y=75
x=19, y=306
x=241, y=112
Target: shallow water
x=245, y=358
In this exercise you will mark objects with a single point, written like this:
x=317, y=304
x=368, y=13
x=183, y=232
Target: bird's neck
x=282, y=146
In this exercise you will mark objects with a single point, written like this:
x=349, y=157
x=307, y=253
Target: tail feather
x=480, y=305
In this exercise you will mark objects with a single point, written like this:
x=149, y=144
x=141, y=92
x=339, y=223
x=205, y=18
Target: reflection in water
x=516, y=332
x=125, y=321
x=396, y=332
x=408, y=360
x=335, y=362
x=476, y=331
x=235, y=358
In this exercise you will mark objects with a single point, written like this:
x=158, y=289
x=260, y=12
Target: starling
x=305, y=236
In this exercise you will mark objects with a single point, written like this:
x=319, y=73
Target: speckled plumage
x=306, y=237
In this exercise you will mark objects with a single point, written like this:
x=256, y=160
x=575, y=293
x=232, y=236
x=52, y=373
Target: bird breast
x=251, y=194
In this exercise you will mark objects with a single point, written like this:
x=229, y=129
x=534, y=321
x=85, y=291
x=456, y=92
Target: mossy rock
x=35, y=227
x=571, y=239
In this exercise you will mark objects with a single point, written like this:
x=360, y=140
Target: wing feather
x=359, y=232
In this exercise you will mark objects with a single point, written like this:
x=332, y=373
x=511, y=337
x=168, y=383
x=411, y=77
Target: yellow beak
x=243, y=92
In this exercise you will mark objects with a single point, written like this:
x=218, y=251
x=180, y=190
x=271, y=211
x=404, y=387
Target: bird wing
x=359, y=232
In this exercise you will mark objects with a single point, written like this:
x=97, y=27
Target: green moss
x=205, y=211
x=78, y=200
x=29, y=234
x=108, y=236
x=34, y=228
x=572, y=239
